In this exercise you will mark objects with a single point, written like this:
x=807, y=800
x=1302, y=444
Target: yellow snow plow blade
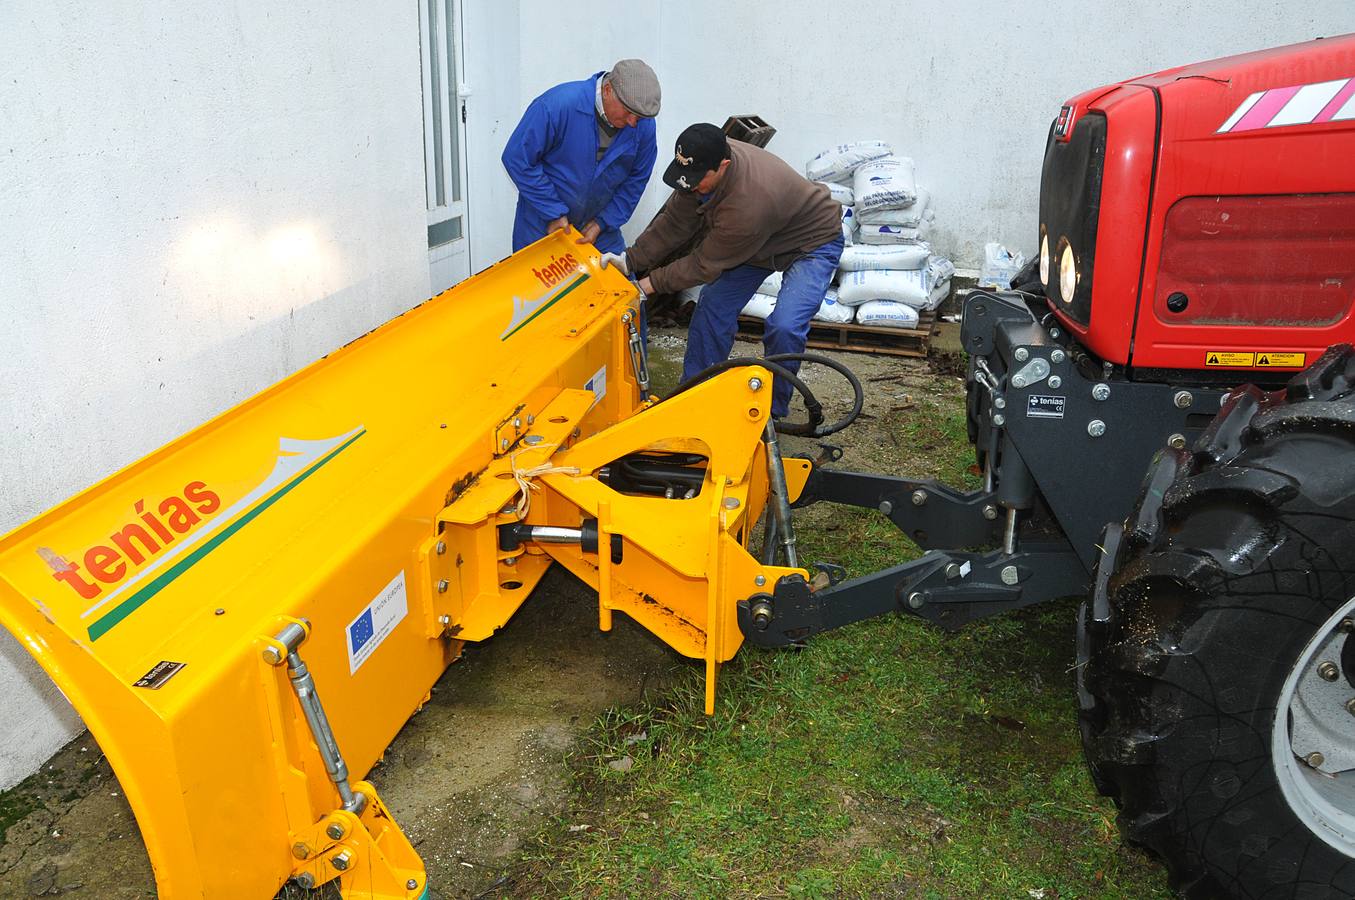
x=246, y=617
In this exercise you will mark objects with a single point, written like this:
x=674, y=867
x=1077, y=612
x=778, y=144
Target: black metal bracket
x=949, y=589
x=931, y=513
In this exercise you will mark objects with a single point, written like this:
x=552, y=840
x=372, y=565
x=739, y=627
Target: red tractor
x=1192, y=319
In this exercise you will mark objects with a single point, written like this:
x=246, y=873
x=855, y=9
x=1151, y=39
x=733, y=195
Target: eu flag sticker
x=376, y=622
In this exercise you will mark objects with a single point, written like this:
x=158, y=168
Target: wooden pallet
x=857, y=338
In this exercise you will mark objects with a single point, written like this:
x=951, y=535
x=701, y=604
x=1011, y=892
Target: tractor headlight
x=1067, y=273
x=1044, y=258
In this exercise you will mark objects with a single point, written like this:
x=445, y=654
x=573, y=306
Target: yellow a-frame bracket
x=246, y=617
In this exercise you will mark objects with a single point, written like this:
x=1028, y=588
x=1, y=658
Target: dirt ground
x=483, y=765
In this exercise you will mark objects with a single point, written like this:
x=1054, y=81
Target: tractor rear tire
x=1206, y=611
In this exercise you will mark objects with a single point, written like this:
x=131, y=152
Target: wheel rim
x=1310, y=717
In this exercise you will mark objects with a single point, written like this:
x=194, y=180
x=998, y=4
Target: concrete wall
x=967, y=88
x=198, y=199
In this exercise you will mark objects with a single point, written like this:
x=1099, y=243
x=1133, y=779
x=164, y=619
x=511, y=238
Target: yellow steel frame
x=361, y=500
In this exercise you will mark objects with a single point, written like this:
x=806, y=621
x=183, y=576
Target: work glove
x=618, y=260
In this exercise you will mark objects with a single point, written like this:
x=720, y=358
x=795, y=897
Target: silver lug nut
x=990, y=512
x=915, y=600
x=886, y=507
x=1315, y=759
x=1057, y=356
x=999, y=402
x=755, y=384
x=1328, y=670
x=411, y=884
x=1055, y=382
x=1177, y=442
x=341, y=860
x=999, y=420
x=335, y=831
x=1101, y=391
x=1021, y=354
x=1018, y=381
x=1055, y=333
x=1010, y=575
x=1183, y=399
x=1096, y=428
x=919, y=498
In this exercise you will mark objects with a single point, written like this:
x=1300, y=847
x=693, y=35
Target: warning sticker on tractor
x=1229, y=358
x=1280, y=359
x=375, y=623
x=1045, y=406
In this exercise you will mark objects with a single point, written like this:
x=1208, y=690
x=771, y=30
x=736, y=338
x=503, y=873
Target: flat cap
x=637, y=87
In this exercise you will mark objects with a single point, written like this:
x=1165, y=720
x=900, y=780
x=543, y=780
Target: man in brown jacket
x=755, y=215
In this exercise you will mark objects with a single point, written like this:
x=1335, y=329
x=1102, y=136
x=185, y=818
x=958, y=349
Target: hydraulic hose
x=814, y=427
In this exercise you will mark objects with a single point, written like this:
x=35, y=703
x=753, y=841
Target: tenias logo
x=560, y=277
x=147, y=555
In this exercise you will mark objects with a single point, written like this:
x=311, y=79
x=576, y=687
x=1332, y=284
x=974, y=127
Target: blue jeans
x=710, y=337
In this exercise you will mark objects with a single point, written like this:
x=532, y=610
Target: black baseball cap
x=700, y=148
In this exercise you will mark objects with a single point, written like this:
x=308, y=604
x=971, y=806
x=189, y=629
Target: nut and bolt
x=760, y=580
x=273, y=656
x=1177, y=442
x=1183, y=399
x=999, y=420
x=1315, y=759
x=411, y=884
x=1055, y=333
x=1018, y=381
x=445, y=621
x=442, y=586
x=1009, y=575
x=1000, y=402
x=1101, y=391
x=1096, y=428
x=755, y=384
x=511, y=561
x=919, y=498
x=1057, y=356
x=305, y=881
x=886, y=507
x=531, y=418
x=1055, y=382
x=440, y=547
x=1328, y=670
x=990, y=512
x=731, y=503
x=532, y=440
x=335, y=831
x=915, y=600
x=341, y=860
x=503, y=444
x=952, y=570
x=517, y=422
x=300, y=850
x=1021, y=354
x=1347, y=625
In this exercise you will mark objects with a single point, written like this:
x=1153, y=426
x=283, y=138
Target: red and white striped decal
x=1304, y=104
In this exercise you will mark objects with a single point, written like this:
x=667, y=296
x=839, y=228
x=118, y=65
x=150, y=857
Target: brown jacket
x=763, y=213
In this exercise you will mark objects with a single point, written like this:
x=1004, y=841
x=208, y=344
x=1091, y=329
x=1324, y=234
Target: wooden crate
x=857, y=338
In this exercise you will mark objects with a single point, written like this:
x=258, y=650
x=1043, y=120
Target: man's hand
x=590, y=233
x=559, y=224
x=645, y=287
x=618, y=260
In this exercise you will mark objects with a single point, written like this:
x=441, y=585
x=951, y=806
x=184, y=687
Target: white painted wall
x=967, y=88
x=198, y=198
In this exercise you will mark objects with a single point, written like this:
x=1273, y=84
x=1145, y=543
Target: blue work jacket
x=552, y=158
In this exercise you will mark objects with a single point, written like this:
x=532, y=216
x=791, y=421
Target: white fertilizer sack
x=886, y=183
x=939, y=272
x=999, y=265
x=908, y=287
x=838, y=163
x=760, y=306
x=886, y=314
x=884, y=256
x=690, y=295
x=840, y=192
x=895, y=234
x=848, y=226
x=907, y=216
x=772, y=286
x=831, y=310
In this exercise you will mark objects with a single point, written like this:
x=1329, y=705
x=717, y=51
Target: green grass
x=887, y=759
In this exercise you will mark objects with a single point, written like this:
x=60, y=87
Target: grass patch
x=888, y=759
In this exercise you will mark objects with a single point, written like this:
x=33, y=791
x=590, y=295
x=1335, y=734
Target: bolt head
x=305, y=881
x=1018, y=381
x=1101, y=391
x=755, y=384
x=731, y=503
x=1347, y=625
x=915, y=600
x=1315, y=759
x=1009, y=575
x=1183, y=399
x=919, y=498
x=886, y=507
x=952, y=570
x=341, y=860
x=335, y=831
x=517, y=422
x=1055, y=333
x=1328, y=670
x=760, y=580
x=1021, y=354
x=300, y=850
x=444, y=620
x=442, y=586
x=441, y=547
x=1055, y=382
x=511, y=561
x=1350, y=706
x=990, y=512
x=503, y=444
x=999, y=420
x=999, y=402
x=411, y=884
x=272, y=656
x=1177, y=442
x=532, y=440
x=1057, y=356
x=1096, y=428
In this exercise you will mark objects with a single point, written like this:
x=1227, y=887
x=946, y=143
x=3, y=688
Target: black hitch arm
x=948, y=589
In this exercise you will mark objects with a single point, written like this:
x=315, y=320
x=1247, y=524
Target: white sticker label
x=375, y=623
x=598, y=385
x=965, y=569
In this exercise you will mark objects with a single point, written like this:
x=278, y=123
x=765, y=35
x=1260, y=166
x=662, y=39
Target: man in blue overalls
x=582, y=155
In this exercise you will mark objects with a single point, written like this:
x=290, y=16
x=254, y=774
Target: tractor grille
x=1070, y=204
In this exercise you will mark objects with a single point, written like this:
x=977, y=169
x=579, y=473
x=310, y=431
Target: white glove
x=618, y=260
